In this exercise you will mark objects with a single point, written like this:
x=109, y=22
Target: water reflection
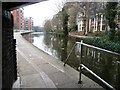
x=103, y=64
x=64, y=48
x=28, y=37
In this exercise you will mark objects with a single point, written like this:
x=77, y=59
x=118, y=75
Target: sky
x=41, y=11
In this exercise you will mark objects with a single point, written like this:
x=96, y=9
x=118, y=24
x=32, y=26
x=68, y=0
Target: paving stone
x=32, y=81
x=40, y=70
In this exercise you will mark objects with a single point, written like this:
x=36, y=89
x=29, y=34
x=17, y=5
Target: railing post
x=69, y=54
x=80, y=62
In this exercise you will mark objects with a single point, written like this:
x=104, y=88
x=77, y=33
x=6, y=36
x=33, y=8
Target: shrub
x=111, y=34
x=103, y=43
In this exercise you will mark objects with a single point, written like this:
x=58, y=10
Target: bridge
x=8, y=43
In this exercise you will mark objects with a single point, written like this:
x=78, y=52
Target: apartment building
x=18, y=16
x=28, y=23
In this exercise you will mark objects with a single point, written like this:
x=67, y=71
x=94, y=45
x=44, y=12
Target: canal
x=103, y=64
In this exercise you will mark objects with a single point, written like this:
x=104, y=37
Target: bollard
x=80, y=62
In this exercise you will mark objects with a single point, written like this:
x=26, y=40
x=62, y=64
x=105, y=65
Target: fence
x=81, y=65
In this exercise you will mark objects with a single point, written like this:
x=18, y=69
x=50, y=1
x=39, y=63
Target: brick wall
x=9, y=68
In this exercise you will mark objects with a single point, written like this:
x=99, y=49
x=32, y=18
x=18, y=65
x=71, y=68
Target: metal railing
x=69, y=53
x=81, y=66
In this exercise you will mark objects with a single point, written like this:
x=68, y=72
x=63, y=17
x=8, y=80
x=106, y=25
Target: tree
x=65, y=21
x=111, y=11
x=72, y=11
x=60, y=5
x=47, y=26
x=57, y=22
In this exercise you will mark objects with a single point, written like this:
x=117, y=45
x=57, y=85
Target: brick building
x=28, y=23
x=18, y=16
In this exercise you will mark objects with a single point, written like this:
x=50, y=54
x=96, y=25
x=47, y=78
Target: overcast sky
x=44, y=10
x=41, y=11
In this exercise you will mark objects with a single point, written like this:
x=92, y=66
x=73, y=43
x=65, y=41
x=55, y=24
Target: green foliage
x=111, y=11
x=60, y=33
x=74, y=28
x=117, y=36
x=103, y=43
x=111, y=34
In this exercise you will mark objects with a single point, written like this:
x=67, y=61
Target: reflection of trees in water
x=56, y=45
x=109, y=68
x=47, y=39
x=53, y=42
x=64, y=48
x=103, y=64
x=72, y=60
x=61, y=46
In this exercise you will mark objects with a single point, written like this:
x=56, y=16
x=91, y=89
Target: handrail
x=81, y=65
x=107, y=84
x=84, y=44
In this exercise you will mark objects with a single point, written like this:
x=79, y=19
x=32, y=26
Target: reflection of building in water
x=77, y=49
x=98, y=56
x=94, y=54
x=88, y=51
x=31, y=38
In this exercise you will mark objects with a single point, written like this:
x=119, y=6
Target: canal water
x=103, y=64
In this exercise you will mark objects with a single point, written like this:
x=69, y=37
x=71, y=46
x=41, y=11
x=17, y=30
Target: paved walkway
x=37, y=69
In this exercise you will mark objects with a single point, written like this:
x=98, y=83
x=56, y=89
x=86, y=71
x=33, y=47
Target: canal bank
x=79, y=36
x=40, y=70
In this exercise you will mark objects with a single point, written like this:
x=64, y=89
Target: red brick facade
x=18, y=17
x=21, y=23
x=28, y=23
